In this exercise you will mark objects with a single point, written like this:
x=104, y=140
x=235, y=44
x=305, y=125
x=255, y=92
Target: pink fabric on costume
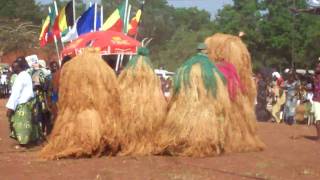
x=232, y=77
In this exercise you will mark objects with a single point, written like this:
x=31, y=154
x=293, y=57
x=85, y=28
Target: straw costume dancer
x=197, y=114
x=143, y=105
x=233, y=59
x=89, y=109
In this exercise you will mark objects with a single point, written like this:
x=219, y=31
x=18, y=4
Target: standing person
x=55, y=85
x=279, y=97
x=262, y=92
x=41, y=112
x=291, y=87
x=53, y=89
x=20, y=105
x=316, y=100
x=3, y=84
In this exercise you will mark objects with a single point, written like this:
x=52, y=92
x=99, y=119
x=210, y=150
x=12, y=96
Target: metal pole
x=95, y=18
x=122, y=56
x=55, y=7
x=117, y=64
x=74, y=10
x=101, y=16
x=57, y=49
x=127, y=19
x=54, y=37
x=292, y=38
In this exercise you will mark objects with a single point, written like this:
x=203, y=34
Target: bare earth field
x=291, y=153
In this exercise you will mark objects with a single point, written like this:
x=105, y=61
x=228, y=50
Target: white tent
x=313, y=3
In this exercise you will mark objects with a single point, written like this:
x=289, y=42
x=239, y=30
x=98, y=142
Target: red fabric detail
x=232, y=77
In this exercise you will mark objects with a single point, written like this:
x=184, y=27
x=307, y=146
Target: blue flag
x=84, y=24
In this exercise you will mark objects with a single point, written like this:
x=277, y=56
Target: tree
x=18, y=35
x=16, y=9
x=275, y=36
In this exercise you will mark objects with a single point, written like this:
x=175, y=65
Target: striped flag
x=134, y=23
x=116, y=20
x=64, y=20
x=46, y=34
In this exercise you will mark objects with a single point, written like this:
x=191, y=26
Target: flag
x=46, y=34
x=116, y=20
x=63, y=20
x=84, y=24
x=44, y=31
x=134, y=23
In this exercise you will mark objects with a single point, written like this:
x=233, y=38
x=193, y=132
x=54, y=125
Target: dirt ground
x=291, y=153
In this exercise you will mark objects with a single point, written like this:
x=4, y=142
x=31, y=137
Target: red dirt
x=45, y=54
x=290, y=154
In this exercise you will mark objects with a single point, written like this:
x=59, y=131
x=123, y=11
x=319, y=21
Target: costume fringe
x=143, y=107
x=89, y=109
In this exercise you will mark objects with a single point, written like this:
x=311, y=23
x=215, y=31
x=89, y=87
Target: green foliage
x=17, y=35
x=17, y=9
x=275, y=36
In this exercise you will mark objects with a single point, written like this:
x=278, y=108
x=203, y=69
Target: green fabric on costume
x=25, y=130
x=142, y=52
x=208, y=73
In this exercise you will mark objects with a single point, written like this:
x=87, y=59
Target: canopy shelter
x=108, y=42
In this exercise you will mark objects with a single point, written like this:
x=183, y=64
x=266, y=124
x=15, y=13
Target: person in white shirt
x=19, y=106
x=3, y=79
x=3, y=84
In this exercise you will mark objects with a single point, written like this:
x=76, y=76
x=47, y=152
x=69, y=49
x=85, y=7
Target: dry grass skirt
x=224, y=47
x=241, y=133
x=143, y=107
x=89, y=108
x=196, y=120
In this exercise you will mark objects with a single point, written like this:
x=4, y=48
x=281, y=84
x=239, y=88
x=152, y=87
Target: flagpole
x=55, y=7
x=54, y=36
x=61, y=41
x=122, y=56
x=95, y=18
x=101, y=16
x=117, y=64
x=127, y=19
x=74, y=10
x=124, y=27
x=57, y=48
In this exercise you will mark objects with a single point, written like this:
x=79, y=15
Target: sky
x=210, y=5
